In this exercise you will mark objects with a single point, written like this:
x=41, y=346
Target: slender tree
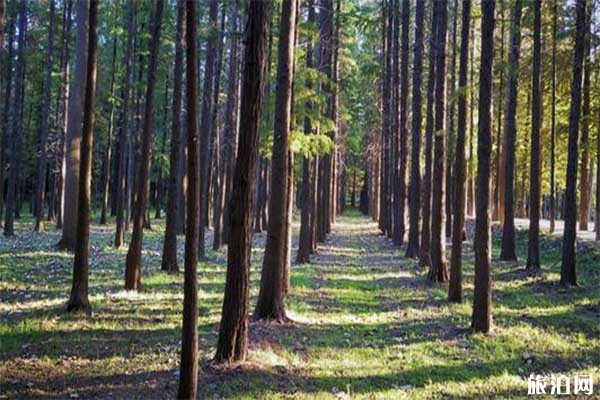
x=270, y=304
x=45, y=126
x=6, y=110
x=459, y=176
x=188, y=369
x=169, y=257
x=568, y=273
x=438, y=271
x=507, y=251
x=553, y=116
x=15, y=138
x=584, y=140
x=125, y=130
x=482, y=295
x=232, y=344
x=78, y=300
x=74, y=124
x=533, y=246
x=134, y=253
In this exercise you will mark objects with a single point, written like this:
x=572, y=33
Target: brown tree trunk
x=425, y=250
x=533, y=246
x=414, y=197
x=584, y=141
x=169, y=257
x=499, y=179
x=5, y=140
x=553, y=127
x=134, y=253
x=108, y=151
x=438, y=271
x=471, y=162
x=481, y=320
x=188, y=368
x=458, y=222
x=385, y=205
x=44, y=128
x=74, y=123
x=270, y=304
x=568, y=273
x=451, y=133
x=15, y=138
x=232, y=344
x=78, y=300
x=125, y=129
x=507, y=252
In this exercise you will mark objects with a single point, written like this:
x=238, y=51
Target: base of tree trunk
x=78, y=305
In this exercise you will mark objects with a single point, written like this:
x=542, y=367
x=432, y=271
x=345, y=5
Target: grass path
x=366, y=325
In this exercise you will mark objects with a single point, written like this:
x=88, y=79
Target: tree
x=74, y=123
x=270, y=304
x=414, y=197
x=134, y=254
x=553, y=127
x=169, y=257
x=232, y=344
x=15, y=138
x=2, y=11
x=44, y=128
x=460, y=176
x=533, y=246
x=438, y=271
x=8, y=78
x=508, y=252
x=78, y=300
x=481, y=320
x=124, y=130
x=188, y=369
x=568, y=272
x=425, y=251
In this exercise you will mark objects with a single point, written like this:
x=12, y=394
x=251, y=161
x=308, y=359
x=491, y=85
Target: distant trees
x=79, y=290
x=232, y=344
x=481, y=320
x=568, y=274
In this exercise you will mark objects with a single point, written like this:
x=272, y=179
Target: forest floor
x=367, y=324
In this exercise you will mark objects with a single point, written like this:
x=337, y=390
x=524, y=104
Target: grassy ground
x=367, y=325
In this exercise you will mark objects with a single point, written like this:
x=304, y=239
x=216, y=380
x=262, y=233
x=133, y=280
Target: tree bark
x=438, y=271
x=5, y=140
x=169, y=257
x=232, y=344
x=584, y=141
x=125, y=131
x=270, y=304
x=45, y=127
x=134, y=253
x=533, y=246
x=74, y=124
x=568, y=273
x=508, y=252
x=553, y=127
x=414, y=197
x=78, y=300
x=459, y=176
x=481, y=320
x=188, y=369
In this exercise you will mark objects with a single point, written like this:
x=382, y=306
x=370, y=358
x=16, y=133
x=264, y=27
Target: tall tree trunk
x=188, y=369
x=108, y=151
x=481, y=320
x=438, y=271
x=597, y=215
x=205, y=122
x=507, y=251
x=270, y=304
x=74, y=123
x=308, y=178
x=568, y=273
x=5, y=140
x=459, y=176
x=498, y=182
x=169, y=258
x=79, y=291
x=425, y=250
x=15, y=138
x=414, y=202
x=553, y=127
x=533, y=247
x=584, y=141
x=471, y=163
x=44, y=127
x=125, y=128
x=134, y=253
x=385, y=203
x=232, y=344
